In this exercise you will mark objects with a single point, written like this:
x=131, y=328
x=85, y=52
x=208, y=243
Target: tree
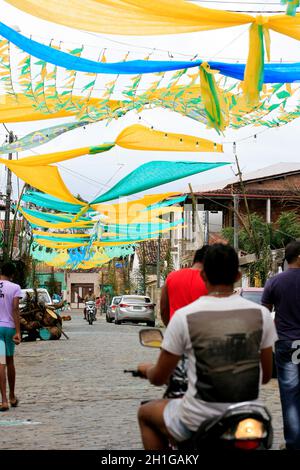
x=142, y=274
x=126, y=281
x=288, y=229
x=52, y=284
x=112, y=277
x=168, y=265
x=268, y=236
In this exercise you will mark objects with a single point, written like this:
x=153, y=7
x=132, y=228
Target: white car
x=43, y=296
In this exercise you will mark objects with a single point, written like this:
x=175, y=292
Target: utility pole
x=158, y=261
x=206, y=227
x=235, y=222
x=195, y=211
x=7, y=204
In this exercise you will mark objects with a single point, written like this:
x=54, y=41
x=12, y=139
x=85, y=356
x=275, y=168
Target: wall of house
x=283, y=183
x=81, y=282
x=259, y=206
x=43, y=280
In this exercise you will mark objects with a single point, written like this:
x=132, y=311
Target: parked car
x=255, y=294
x=110, y=312
x=252, y=293
x=43, y=296
x=136, y=309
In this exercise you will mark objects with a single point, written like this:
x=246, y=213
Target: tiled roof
x=251, y=193
x=277, y=169
x=150, y=247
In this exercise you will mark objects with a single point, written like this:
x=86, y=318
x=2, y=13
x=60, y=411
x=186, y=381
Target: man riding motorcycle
x=226, y=339
x=90, y=297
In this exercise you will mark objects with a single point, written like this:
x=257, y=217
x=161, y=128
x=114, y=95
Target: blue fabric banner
x=273, y=73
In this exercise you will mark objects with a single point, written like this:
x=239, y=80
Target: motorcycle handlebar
x=134, y=373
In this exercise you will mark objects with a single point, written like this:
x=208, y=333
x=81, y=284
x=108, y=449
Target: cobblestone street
x=74, y=395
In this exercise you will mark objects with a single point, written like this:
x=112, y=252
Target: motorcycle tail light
x=248, y=444
x=249, y=429
x=113, y=307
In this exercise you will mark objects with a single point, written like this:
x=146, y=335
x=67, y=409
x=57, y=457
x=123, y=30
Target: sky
x=92, y=175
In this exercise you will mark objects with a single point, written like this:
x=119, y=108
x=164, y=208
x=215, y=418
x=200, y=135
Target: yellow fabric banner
x=139, y=17
x=132, y=17
x=60, y=235
x=48, y=158
x=130, y=208
x=139, y=137
x=20, y=109
x=44, y=178
x=60, y=225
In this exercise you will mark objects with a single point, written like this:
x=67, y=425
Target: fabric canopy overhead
x=50, y=202
x=137, y=17
x=45, y=178
x=39, y=222
x=153, y=174
x=130, y=208
x=139, y=137
x=56, y=157
x=40, y=137
x=134, y=137
x=54, y=217
x=183, y=99
x=20, y=109
x=132, y=17
x=274, y=73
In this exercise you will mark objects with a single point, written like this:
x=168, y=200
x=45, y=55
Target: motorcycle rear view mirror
x=151, y=337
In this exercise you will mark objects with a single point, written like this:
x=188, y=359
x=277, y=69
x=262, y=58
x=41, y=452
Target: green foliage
x=288, y=229
x=112, y=277
x=278, y=235
x=52, y=284
x=228, y=234
x=269, y=237
x=142, y=273
x=126, y=281
x=168, y=266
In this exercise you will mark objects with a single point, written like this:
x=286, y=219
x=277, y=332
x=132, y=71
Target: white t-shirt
x=222, y=338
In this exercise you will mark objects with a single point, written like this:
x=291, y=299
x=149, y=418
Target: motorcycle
x=243, y=426
x=90, y=306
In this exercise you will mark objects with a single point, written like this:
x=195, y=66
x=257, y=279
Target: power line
x=79, y=175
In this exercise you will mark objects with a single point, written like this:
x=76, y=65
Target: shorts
x=173, y=423
x=7, y=346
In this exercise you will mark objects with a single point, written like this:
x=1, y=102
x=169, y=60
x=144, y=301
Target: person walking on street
x=183, y=287
x=282, y=292
x=10, y=333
